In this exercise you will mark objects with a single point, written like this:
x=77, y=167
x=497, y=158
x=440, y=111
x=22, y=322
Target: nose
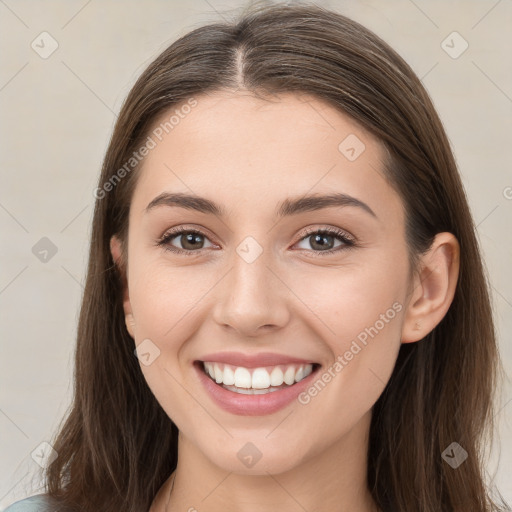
x=253, y=299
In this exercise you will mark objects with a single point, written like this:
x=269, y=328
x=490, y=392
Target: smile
x=254, y=391
x=253, y=381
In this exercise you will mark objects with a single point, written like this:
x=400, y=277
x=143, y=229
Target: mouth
x=256, y=381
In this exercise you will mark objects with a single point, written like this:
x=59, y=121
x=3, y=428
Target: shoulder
x=38, y=503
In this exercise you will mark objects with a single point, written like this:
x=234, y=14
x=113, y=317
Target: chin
x=246, y=457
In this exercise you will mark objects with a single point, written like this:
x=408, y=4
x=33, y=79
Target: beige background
x=57, y=116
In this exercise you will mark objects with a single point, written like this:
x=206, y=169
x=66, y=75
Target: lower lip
x=252, y=405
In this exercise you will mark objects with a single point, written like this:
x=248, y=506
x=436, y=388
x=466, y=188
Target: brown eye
x=192, y=241
x=188, y=240
x=324, y=240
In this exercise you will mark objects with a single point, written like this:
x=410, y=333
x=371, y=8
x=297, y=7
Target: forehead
x=238, y=148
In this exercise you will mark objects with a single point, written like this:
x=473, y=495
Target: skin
x=248, y=155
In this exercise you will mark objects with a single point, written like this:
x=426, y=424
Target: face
x=322, y=285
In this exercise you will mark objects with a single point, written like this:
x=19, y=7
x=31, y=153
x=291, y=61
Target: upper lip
x=253, y=360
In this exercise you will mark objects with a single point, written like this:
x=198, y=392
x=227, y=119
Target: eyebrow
x=288, y=207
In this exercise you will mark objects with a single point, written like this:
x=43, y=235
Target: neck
x=334, y=479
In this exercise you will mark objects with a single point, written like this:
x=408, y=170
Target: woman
x=285, y=303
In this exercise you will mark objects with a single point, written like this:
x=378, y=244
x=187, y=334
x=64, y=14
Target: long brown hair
x=117, y=446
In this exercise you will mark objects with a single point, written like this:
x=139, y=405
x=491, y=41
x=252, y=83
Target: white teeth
x=289, y=375
x=242, y=378
x=250, y=391
x=257, y=378
x=260, y=379
x=218, y=373
x=276, y=377
x=229, y=376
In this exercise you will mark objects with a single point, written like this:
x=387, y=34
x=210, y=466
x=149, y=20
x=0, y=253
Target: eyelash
x=349, y=243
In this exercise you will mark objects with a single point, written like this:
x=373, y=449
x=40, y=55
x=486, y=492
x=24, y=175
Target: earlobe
x=434, y=288
x=130, y=324
x=119, y=260
x=115, y=249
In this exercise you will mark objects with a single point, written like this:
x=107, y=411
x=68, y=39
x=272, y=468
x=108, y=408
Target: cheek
x=358, y=314
x=164, y=302
x=162, y=299
x=349, y=301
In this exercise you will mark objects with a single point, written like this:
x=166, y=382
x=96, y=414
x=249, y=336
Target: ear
x=433, y=288
x=116, y=249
